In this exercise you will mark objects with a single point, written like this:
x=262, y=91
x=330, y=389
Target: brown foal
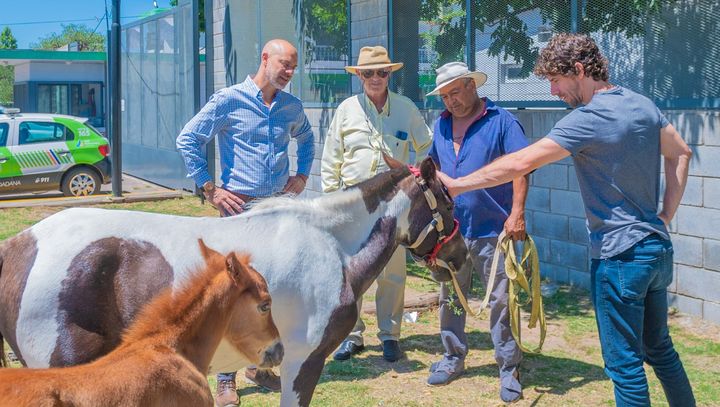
x=166, y=352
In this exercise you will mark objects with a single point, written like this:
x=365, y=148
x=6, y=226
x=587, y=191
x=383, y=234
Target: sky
x=31, y=20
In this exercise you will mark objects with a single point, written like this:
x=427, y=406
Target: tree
x=80, y=34
x=7, y=39
x=323, y=21
x=7, y=73
x=510, y=38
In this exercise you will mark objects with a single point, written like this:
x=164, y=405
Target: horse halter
x=436, y=223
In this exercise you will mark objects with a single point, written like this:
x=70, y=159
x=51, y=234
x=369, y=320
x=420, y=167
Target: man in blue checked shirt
x=253, y=122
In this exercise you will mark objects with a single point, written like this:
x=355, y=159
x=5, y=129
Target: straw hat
x=452, y=71
x=374, y=58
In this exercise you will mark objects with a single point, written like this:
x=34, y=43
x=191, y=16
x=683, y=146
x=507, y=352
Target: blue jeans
x=629, y=293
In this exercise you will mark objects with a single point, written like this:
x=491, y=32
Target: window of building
x=76, y=99
x=512, y=73
x=53, y=99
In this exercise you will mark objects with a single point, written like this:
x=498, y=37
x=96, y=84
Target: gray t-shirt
x=615, y=145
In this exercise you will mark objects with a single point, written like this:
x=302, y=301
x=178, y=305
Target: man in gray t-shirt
x=615, y=144
x=615, y=139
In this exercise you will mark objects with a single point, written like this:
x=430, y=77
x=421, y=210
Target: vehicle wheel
x=80, y=182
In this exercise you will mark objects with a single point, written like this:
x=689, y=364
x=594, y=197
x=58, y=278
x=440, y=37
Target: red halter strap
x=433, y=254
x=431, y=258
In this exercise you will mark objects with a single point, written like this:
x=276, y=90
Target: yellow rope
x=518, y=281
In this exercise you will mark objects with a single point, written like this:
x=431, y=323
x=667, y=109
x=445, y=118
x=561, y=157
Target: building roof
x=20, y=56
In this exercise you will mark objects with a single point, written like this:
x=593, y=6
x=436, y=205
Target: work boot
x=445, y=371
x=264, y=378
x=510, y=387
x=226, y=394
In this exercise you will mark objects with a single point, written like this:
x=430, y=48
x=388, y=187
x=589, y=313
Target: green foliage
x=324, y=22
x=7, y=39
x=7, y=81
x=510, y=38
x=81, y=34
x=7, y=73
x=201, y=12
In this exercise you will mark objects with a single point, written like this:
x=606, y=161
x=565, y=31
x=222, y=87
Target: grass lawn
x=568, y=372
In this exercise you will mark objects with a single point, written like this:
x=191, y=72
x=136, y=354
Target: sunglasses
x=368, y=73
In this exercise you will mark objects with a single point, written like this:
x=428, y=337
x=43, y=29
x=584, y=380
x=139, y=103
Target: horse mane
x=323, y=207
x=169, y=313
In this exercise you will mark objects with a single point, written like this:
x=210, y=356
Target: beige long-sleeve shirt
x=358, y=135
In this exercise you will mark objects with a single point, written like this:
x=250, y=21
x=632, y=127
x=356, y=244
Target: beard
x=275, y=80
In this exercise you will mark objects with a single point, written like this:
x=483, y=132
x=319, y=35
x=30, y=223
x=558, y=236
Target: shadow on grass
x=568, y=301
x=547, y=374
x=370, y=363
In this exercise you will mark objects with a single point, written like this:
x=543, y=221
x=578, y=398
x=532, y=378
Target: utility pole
x=114, y=82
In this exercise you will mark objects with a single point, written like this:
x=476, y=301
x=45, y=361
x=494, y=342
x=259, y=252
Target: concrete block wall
x=695, y=231
x=218, y=29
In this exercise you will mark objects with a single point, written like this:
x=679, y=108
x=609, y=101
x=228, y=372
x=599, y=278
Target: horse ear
x=206, y=252
x=239, y=268
x=391, y=162
x=428, y=169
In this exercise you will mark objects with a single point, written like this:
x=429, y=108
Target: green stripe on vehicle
x=39, y=162
x=20, y=160
x=29, y=159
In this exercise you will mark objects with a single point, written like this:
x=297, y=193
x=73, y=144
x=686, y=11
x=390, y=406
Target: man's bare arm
x=677, y=162
x=507, y=168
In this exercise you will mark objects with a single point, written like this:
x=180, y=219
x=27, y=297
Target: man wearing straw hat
x=471, y=133
x=364, y=127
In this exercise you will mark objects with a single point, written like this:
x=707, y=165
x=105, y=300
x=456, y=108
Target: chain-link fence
x=665, y=49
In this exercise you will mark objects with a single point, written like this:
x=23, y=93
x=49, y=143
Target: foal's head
x=432, y=238
x=251, y=329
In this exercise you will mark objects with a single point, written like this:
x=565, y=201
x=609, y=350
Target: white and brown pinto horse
x=70, y=284
x=165, y=354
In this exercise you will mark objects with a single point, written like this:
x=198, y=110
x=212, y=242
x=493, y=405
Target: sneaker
x=264, y=378
x=445, y=371
x=226, y=394
x=391, y=350
x=510, y=388
x=347, y=349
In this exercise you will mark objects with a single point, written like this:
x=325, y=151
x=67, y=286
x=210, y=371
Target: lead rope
x=518, y=282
